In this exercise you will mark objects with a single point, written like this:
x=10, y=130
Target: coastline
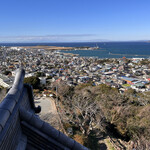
x=128, y=54
x=116, y=50
x=59, y=48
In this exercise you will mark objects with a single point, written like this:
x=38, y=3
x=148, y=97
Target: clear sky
x=74, y=20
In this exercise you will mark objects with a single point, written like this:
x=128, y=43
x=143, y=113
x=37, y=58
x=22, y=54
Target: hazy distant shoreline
x=128, y=54
x=124, y=49
x=60, y=48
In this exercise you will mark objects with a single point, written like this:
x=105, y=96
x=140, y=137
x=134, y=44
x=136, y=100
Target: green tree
x=34, y=81
x=7, y=72
x=40, y=74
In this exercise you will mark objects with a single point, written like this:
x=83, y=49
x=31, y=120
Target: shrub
x=34, y=81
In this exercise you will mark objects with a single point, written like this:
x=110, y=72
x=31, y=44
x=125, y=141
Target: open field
x=48, y=47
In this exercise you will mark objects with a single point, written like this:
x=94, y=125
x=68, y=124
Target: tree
x=91, y=110
x=7, y=72
x=40, y=74
x=62, y=88
x=82, y=113
x=34, y=81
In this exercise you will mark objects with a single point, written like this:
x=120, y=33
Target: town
x=120, y=73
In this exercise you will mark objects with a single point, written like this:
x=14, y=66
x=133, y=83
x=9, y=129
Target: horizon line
x=80, y=41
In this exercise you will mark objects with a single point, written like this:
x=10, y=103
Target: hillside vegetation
x=99, y=111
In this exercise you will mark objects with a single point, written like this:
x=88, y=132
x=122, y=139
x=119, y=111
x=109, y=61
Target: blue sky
x=74, y=20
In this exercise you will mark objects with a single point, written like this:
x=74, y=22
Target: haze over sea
x=107, y=49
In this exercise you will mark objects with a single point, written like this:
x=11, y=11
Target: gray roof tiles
x=49, y=130
x=5, y=115
x=26, y=115
x=18, y=82
x=14, y=94
x=44, y=127
x=7, y=104
x=1, y=128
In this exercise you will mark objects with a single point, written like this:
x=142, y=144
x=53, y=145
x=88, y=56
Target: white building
x=3, y=84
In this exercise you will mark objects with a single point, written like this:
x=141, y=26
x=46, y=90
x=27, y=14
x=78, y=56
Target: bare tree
x=82, y=112
x=62, y=88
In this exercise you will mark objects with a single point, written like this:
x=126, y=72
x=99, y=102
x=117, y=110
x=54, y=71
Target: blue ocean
x=106, y=49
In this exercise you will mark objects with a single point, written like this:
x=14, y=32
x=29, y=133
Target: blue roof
x=129, y=79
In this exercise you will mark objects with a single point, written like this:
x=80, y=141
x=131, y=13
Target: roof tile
x=8, y=104
x=4, y=117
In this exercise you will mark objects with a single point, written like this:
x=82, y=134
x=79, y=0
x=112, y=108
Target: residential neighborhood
x=119, y=73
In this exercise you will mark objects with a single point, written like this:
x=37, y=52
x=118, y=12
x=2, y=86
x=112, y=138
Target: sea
x=106, y=49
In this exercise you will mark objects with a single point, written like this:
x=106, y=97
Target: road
x=47, y=105
x=49, y=112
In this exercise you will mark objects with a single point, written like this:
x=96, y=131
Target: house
x=129, y=80
x=138, y=85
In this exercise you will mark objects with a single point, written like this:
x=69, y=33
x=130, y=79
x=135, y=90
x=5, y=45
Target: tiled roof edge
x=47, y=129
x=12, y=97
